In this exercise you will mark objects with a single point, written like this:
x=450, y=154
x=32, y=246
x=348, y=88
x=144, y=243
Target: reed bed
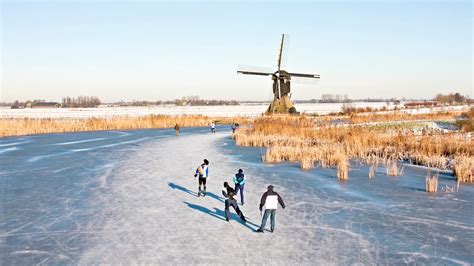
x=30, y=126
x=310, y=142
x=402, y=116
x=464, y=169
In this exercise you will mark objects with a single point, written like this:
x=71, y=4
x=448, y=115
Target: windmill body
x=281, y=85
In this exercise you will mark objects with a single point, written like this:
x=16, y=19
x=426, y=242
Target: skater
x=213, y=127
x=176, y=128
x=235, y=126
x=203, y=172
x=229, y=194
x=239, y=182
x=270, y=200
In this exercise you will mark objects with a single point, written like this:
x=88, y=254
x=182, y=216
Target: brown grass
x=464, y=169
x=342, y=166
x=432, y=183
x=402, y=116
x=372, y=171
x=374, y=163
x=392, y=168
x=27, y=126
x=311, y=141
x=306, y=163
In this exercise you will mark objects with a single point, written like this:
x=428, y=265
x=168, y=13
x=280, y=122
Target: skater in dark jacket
x=234, y=127
x=203, y=172
x=229, y=194
x=239, y=182
x=269, y=202
x=176, y=128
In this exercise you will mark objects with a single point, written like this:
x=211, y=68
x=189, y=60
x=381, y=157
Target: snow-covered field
x=250, y=110
x=227, y=111
x=129, y=197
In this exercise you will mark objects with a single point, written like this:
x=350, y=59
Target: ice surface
x=129, y=197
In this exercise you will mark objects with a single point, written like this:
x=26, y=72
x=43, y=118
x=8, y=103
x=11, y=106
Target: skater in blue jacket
x=239, y=182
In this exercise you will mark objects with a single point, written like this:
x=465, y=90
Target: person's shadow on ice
x=214, y=196
x=220, y=214
x=174, y=186
x=210, y=194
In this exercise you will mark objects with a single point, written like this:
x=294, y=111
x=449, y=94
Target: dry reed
x=372, y=171
x=402, y=116
x=392, y=168
x=306, y=163
x=464, y=169
x=31, y=126
x=432, y=183
x=342, y=166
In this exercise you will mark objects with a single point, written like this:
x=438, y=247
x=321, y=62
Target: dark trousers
x=233, y=203
x=241, y=188
x=202, y=181
x=272, y=214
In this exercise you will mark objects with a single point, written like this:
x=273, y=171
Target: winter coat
x=203, y=170
x=270, y=200
x=229, y=194
x=239, y=179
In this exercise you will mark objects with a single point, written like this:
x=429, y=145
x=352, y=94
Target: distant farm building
x=46, y=105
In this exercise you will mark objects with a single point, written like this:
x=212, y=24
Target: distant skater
x=229, y=194
x=239, y=182
x=213, y=127
x=270, y=200
x=234, y=127
x=203, y=172
x=176, y=128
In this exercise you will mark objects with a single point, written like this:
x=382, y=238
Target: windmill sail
x=252, y=70
x=280, y=51
x=301, y=75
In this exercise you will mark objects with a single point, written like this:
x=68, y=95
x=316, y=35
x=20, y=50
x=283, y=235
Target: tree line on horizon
x=452, y=98
x=81, y=102
x=94, y=101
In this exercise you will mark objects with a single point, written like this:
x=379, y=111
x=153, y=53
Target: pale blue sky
x=161, y=50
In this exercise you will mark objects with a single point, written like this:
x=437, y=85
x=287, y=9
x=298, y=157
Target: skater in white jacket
x=269, y=202
x=203, y=172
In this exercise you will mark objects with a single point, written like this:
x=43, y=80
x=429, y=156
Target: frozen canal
x=128, y=197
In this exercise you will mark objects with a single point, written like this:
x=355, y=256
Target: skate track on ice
x=129, y=197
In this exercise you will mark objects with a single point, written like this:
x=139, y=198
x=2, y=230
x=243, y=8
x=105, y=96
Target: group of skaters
x=234, y=127
x=268, y=202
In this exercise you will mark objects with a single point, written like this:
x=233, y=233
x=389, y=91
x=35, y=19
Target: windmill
x=281, y=84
